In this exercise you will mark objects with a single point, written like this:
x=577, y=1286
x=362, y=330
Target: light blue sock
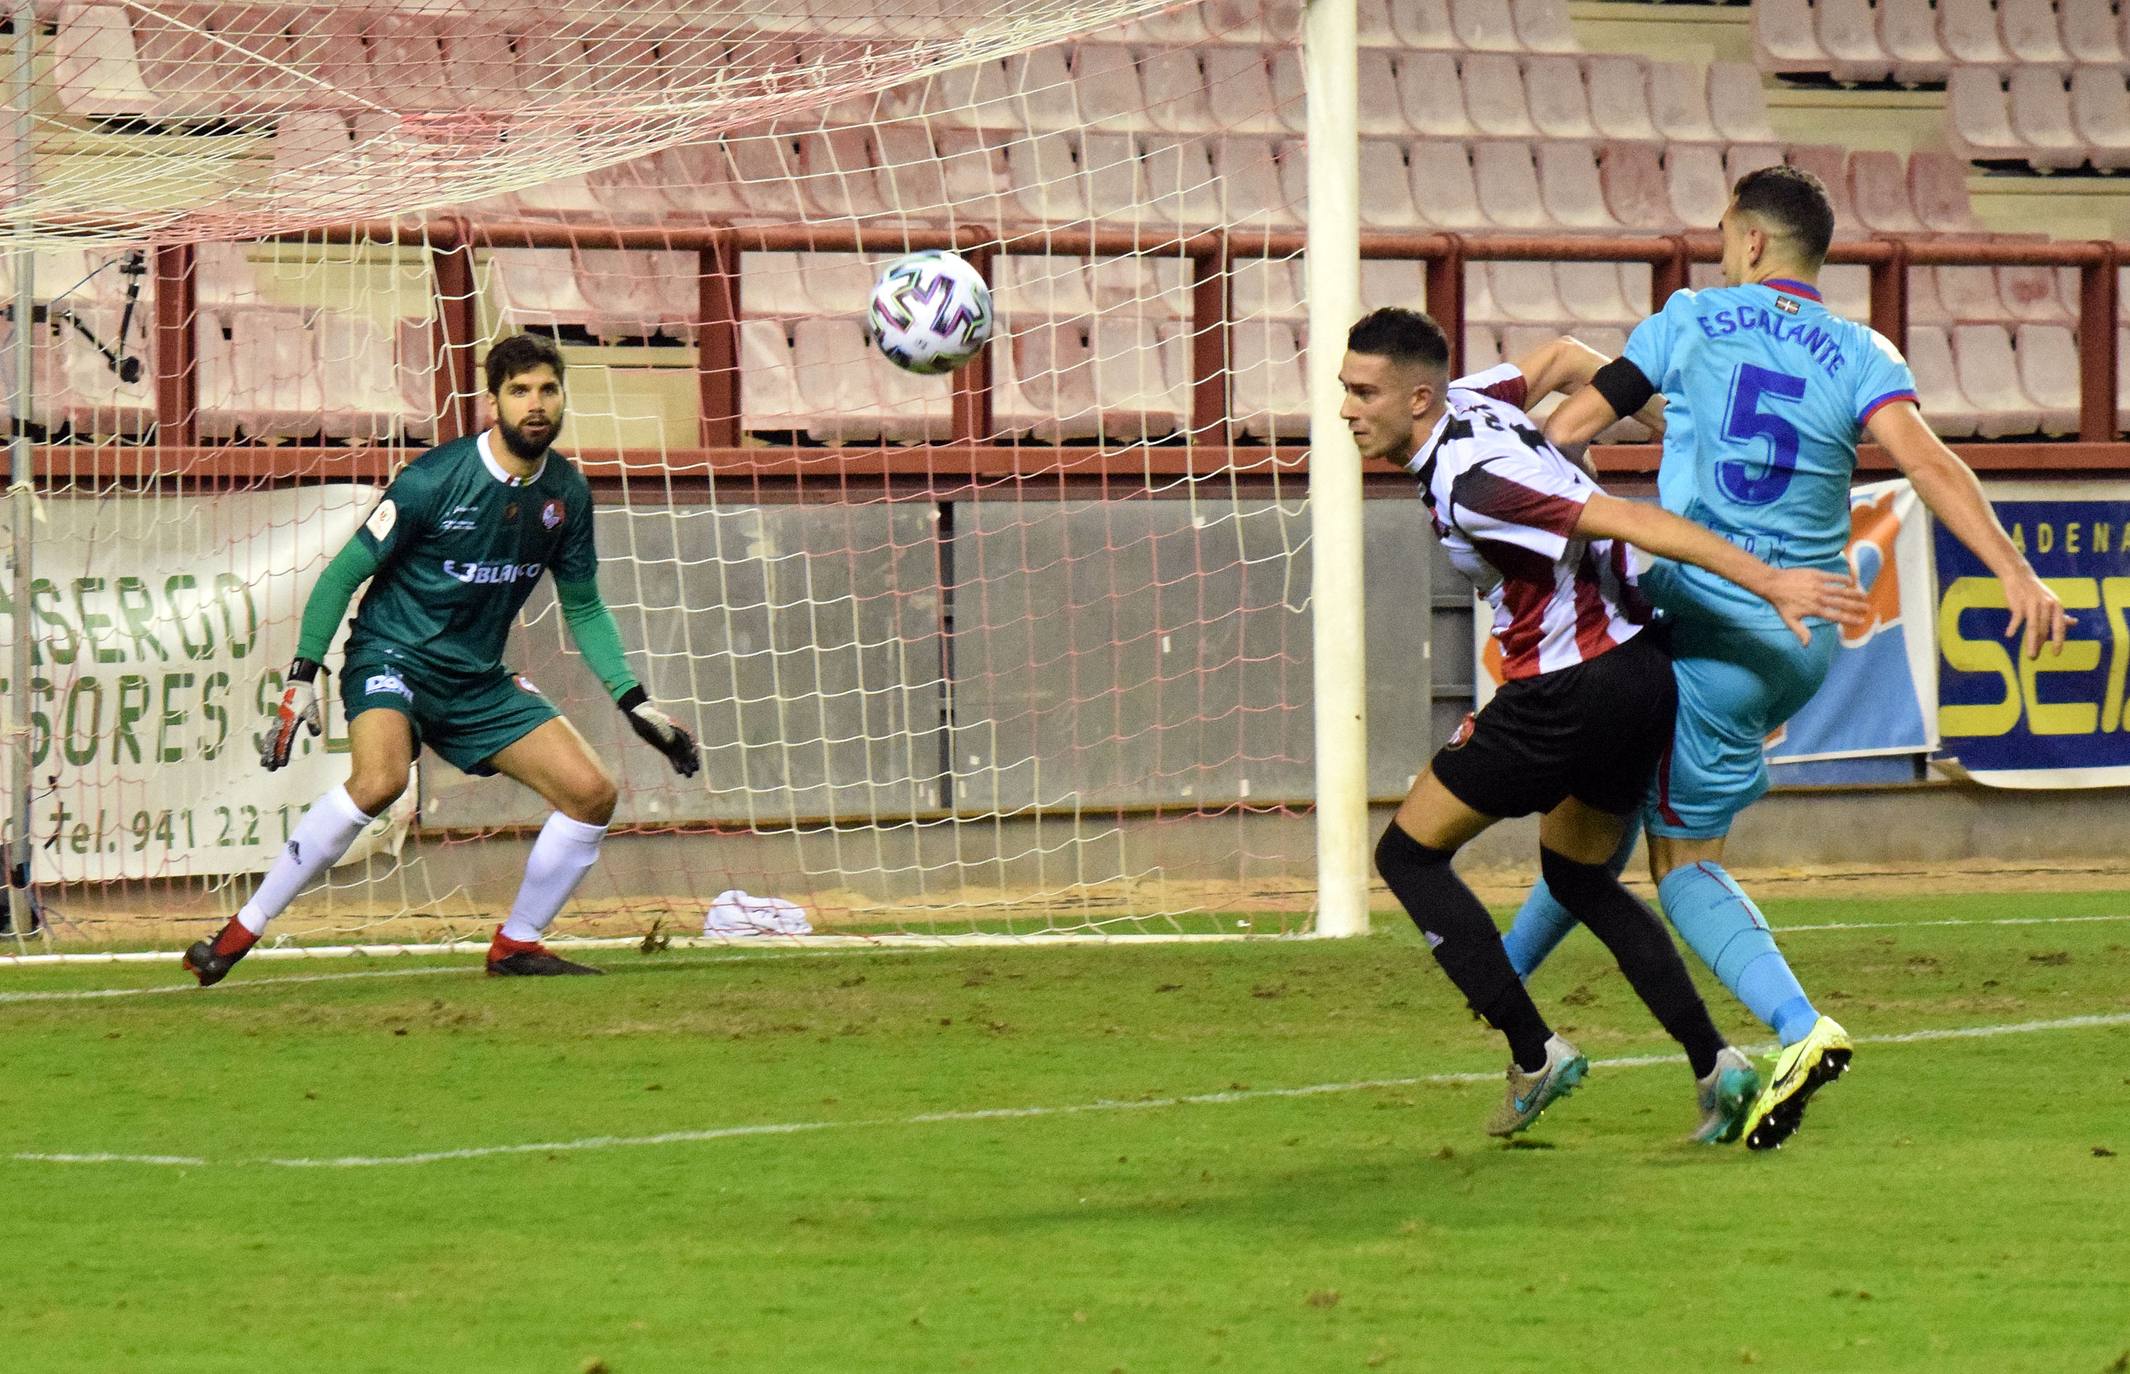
x=1542, y=922
x=1721, y=924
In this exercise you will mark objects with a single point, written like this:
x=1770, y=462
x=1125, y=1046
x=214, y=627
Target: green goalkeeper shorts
x=466, y=720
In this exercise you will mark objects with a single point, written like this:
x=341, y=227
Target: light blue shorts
x=1741, y=674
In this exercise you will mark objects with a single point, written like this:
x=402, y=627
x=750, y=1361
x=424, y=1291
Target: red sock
x=233, y=939
x=503, y=946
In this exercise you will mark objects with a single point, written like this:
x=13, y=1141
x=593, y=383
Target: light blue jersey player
x=1767, y=396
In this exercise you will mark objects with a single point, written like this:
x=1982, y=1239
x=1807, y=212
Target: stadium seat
x=2090, y=35
x=1938, y=392
x=1270, y=394
x=1635, y=190
x=1484, y=26
x=2035, y=295
x=479, y=68
x=1738, y=104
x=1432, y=96
x=1479, y=304
x=180, y=61
x=535, y=288
x=1444, y=192
x=1508, y=186
x=1372, y=24
x=2100, y=112
x=1740, y=158
x=1569, y=183
x=633, y=192
x=703, y=182
x=1392, y=281
x=1976, y=121
x=1494, y=96
x=1239, y=91
x=1482, y=348
x=1845, y=289
x=1247, y=172
x=2049, y=374
x=364, y=400
x=280, y=389
x=2039, y=104
x=1678, y=103
x=910, y=178
x=1175, y=86
x=842, y=283
x=765, y=176
x=1049, y=387
x=1848, y=34
x=1044, y=94
x=1107, y=89
x=1694, y=181
x=1619, y=98
x=769, y=387
x=552, y=65
x=1138, y=372
x=1380, y=114
x=1908, y=34
x=1553, y=88
x=95, y=70
x=1989, y=377
x=1044, y=179
x=1542, y=26
x=1925, y=306
x=1968, y=294
x=973, y=168
x=1970, y=33
x=1180, y=184
x=1270, y=288
x=848, y=393
x=773, y=285
x=1424, y=25
x=1386, y=186
x=87, y=391
x=1524, y=293
x=835, y=171
x=1590, y=293
x=1784, y=38
x=2030, y=31
x=1146, y=287
x=406, y=57
x=1831, y=165
x=1287, y=94
x=635, y=294
x=1032, y=286
x=976, y=95
x=1937, y=188
x=1878, y=188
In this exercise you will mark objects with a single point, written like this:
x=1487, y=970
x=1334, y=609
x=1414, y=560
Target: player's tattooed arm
x=1795, y=593
x=1949, y=488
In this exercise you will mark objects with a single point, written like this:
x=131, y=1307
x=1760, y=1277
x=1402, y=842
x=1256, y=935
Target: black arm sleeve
x=1623, y=386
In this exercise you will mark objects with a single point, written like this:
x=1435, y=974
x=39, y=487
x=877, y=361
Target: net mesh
x=1035, y=668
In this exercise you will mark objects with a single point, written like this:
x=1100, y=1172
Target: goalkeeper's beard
x=523, y=444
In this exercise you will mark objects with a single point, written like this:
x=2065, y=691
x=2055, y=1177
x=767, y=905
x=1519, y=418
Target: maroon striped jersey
x=1505, y=503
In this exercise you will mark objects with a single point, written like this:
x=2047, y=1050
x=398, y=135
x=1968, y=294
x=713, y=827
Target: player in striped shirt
x=1576, y=732
x=1769, y=394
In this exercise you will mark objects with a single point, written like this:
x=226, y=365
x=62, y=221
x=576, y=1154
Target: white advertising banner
x=162, y=625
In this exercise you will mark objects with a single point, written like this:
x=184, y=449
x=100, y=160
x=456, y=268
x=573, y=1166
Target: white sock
x=320, y=838
x=559, y=858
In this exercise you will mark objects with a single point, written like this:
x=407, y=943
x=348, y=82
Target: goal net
x=1020, y=651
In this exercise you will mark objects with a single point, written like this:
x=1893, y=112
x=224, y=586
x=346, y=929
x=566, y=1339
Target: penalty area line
x=1212, y=1099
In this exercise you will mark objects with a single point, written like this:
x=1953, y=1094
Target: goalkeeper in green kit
x=451, y=553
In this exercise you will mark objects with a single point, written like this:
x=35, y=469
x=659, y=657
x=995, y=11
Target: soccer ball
x=930, y=313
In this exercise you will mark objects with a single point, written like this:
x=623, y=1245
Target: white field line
x=692, y=1137
x=832, y=944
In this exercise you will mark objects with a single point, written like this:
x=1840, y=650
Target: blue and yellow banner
x=2055, y=721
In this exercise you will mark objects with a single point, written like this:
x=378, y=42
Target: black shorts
x=1594, y=731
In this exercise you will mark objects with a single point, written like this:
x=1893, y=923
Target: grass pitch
x=1245, y=1157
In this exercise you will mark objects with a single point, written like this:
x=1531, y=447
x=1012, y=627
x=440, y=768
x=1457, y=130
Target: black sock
x=1642, y=949
x=1464, y=940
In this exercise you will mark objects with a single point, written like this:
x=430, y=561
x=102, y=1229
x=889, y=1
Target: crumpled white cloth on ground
x=740, y=913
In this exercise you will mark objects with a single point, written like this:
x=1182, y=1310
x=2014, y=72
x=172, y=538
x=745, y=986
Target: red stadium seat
x=836, y=175
x=774, y=285
x=1494, y=96
x=1479, y=303
x=1118, y=180
x=2035, y=295
x=1976, y=120
x=406, y=57
x=1908, y=33
x=1785, y=39
x=1635, y=190
x=1693, y=177
x=1048, y=385
x=1969, y=295
x=1619, y=98
x=1138, y=374
x=1045, y=180
x=1937, y=188
x=535, y=288
x=1741, y=158
x=1553, y=88
x=1831, y=165
x=2048, y=373
x=2090, y=36
x=910, y=177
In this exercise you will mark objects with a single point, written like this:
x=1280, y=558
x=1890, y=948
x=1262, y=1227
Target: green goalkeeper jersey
x=459, y=545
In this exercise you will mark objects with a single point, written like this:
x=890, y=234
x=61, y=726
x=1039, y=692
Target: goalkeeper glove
x=299, y=706
x=659, y=730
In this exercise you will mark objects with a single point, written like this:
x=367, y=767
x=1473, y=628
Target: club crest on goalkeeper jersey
x=460, y=545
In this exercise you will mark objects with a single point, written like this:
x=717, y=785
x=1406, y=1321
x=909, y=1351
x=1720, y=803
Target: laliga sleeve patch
x=382, y=520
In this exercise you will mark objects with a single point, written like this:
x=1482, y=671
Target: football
x=930, y=312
